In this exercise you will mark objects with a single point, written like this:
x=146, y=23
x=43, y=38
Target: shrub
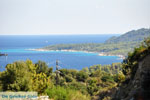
x=68, y=78
x=106, y=78
x=61, y=93
x=82, y=76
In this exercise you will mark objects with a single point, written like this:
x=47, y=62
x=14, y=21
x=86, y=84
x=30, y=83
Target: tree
x=82, y=76
x=92, y=87
x=43, y=67
x=120, y=77
x=16, y=77
x=22, y=76
x=41, y=82
x=107, y=78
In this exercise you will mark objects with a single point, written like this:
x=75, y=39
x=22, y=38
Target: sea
x=18, y=48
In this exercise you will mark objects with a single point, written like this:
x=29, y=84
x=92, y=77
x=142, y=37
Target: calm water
x=16, y=48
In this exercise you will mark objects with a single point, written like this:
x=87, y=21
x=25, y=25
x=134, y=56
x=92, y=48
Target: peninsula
x=115, y=46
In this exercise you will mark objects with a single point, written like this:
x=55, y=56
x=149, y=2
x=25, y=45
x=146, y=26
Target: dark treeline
x=121, y=48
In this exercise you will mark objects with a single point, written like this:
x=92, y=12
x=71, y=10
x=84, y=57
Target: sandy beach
x=99, y=53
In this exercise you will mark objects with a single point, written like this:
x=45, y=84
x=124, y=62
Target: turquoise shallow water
x=17, y=49
x=70, y=60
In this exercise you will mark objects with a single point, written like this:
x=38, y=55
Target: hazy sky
x=73, y=16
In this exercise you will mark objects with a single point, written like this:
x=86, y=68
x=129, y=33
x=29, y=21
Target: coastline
x=105, y=54
x=99, y=53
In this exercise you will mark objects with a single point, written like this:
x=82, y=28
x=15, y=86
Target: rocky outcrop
x=137, y=88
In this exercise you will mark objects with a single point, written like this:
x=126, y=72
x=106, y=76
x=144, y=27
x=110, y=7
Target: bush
x=120, y=77
x=22, y=76
x=82, y=76
x=42, y=67
x=68, y=78
x=61, y=93
x=108, y=78
x=78, y=86
x=57, y=93
x=16, y=77
x=92, y=87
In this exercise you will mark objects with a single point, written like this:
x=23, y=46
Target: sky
x=37, y=17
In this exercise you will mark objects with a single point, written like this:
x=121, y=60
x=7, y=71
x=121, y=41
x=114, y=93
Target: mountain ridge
x=133, y=35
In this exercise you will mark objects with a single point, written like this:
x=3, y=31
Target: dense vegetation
x=136, y=68
x=109, y=49
x=72, y=84
x=134, y=35
x=131, y=62
x=114, y=46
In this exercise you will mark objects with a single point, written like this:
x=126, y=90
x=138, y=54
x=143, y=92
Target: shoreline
x=105, y=54
x=99, y=53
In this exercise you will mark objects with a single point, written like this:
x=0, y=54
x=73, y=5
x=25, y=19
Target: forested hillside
x=131, y=36
x=121, y=48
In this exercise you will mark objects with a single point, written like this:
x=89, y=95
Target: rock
x=138, y=88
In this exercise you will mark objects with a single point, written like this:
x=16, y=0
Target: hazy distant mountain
x=134, y=35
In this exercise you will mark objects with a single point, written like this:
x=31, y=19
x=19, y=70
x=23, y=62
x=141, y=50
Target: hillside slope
x=137, y=70
x=139, y=87
x=134, y=35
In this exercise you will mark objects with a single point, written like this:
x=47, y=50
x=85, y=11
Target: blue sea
x=17, y=47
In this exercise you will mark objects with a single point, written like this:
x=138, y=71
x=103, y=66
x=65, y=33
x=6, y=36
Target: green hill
x=134, y=35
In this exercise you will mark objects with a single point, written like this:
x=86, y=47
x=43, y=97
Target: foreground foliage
x=137, y=71
x=72, y=84
x=131, y=62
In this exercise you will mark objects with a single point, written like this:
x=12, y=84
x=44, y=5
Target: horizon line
x=67, y=34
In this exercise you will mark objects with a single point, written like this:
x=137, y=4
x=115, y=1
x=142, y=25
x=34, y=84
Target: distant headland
x=115, y=46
